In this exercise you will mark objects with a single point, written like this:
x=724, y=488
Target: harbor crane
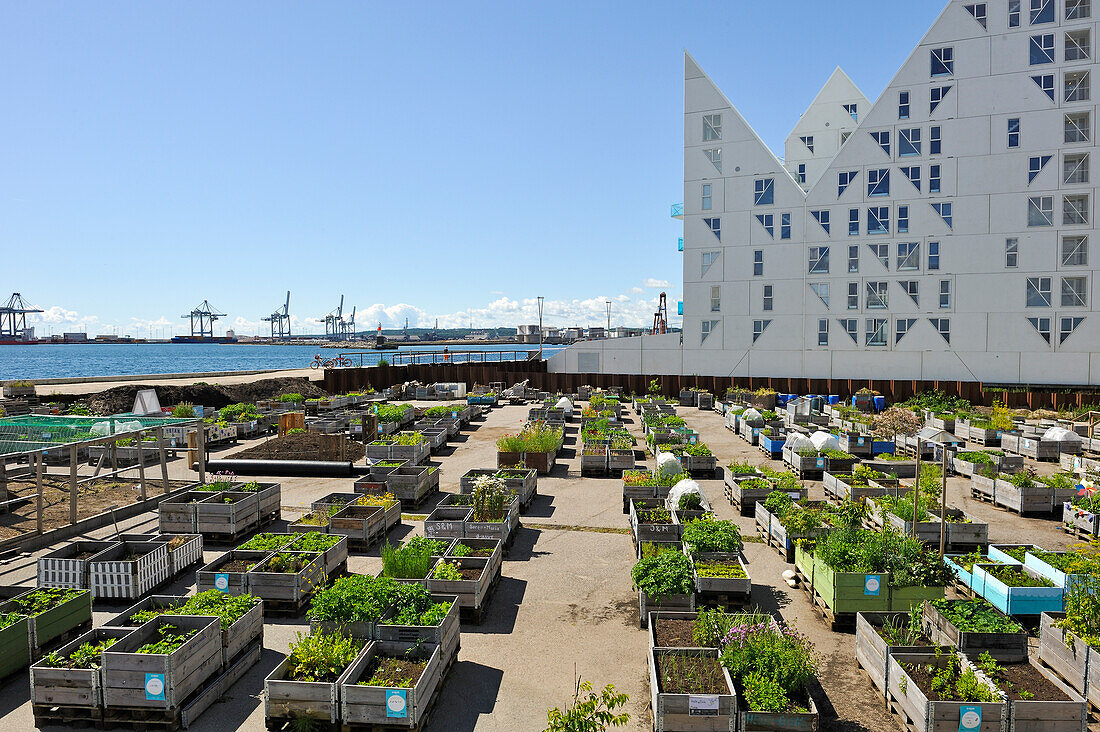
x=204, y=317
x=348, y=327
x=13, y=318
x=660, y=318
x=280, y=321
x=334, y=322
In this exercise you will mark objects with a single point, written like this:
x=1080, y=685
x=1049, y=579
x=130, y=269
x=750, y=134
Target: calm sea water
x=49, y=361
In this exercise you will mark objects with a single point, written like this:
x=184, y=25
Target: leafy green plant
x=903, y=631
x=1016, y=577
x=773, y=656
x=411, y=561
x=315, y=541
x=184, y=410
x=666, y=574
x=489, y=497
x=86, y=656
x=296, y=431
x=291, y=397
x=170, y=640
x=730, y=570
x=590, y=712
x=321, y=656
x=447, y=571
x=47, y=598
x=268, y=542
x=976, y=616
x=708, y=534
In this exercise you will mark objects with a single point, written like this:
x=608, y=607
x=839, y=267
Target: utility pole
x=608, y=318
x=541, y=298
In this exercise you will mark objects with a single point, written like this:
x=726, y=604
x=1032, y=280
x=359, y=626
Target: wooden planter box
x=61, y=568
x=410, y=484
x=674, y=603
x=683, y=711
x=807, y=467
x=414, y=454
x=900, y=468
x=750, y=432
x=620, y=459
x=372, y=705
x=1017, y=600
x=466, y=482
x=525, y=484
x=447, y=522
x=1073, y=659
x=73, y=687
x=1055, y=575
x=112, y=575
x=873, y=652
x=957, y=534
x=696, y=464
x=446, y=635
x=777, y=533
x=855, y=443
x=1005, y=647
x=742, y=587
x=937, y=716
x=227, y=519
x=964, y=429
x=15, y=646
x=541, y=462
x=1032, y=447
x=644, y=532
x=284, y=587
x=331, y=558
x=704, y=400
x=849, y=592
x=836, y=485
x=594, y=460
x=185, y=555
x=495, y=556
x=1089, y=523
x=1039, y=498
x=55, y=622
x=285, y=699
x=378, y=472
x=471, y=593
x=130, y=678
x=498, y=530
x=362, y=525
x=212, y=577
x=269, y=500
x=772, y=445
x=179, y=514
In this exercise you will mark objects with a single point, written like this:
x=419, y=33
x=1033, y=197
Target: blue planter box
x=882, y=446
x=965, y=577
x=995, y=552
x=772, y=445
x=1055, y=575
x=1018, y=600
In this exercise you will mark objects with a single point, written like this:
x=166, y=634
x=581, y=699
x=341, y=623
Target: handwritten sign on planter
x=871, y=585
x=703, y=705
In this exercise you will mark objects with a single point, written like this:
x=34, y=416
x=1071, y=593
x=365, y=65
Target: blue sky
x=449, y=160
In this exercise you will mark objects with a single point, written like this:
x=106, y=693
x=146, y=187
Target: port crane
x=204, y=317
x=280, y=321
x=660, y=318
x=13, y=318
x=334, y=322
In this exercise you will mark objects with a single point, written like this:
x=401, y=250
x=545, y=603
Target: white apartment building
x=941, y=233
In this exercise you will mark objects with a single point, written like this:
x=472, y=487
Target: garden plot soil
x=121, y=398
x=92, y=499
x=691, y=675
x=303, y=446
x=237, y=565
x=1018, y=677
x=399, y=673
x=472, y=573
x=674, y=633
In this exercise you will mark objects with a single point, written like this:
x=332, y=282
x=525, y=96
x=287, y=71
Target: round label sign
x=872, y=584
x=971, y=719
x=221, y=582
x=154, y=686
x=396, y=703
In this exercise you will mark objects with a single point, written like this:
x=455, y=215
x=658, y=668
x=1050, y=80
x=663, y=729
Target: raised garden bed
x=229, y=572
x=912, y=694
x=179, y=514
x=227, y=513
x=1072, y=658
x=51, y=613
x=129, y=570
x=15, y=644
x=851, y=487
x=650, y=520
x=472, y=589
x=287, y=579
x=333, y=549
x=70, y=566
x=974, y=627
x=1034, y=447
x=411, y=484
x=691, y=690
x=447, y=522
x=286, y=698
x=721, y=577
x=1016, y=600
x=361, y=525
x=873, y=650
x=383, y=702
x=60, y=680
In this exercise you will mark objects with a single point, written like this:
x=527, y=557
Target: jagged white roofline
x=741, y=117
x=844, y=75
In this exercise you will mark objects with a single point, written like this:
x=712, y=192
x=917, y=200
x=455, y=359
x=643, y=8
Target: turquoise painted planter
x=1018, y=600
x=965, y=577
x=1055, y=575
x=997, y=554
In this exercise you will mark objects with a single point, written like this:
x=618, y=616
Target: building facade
x=941, y=233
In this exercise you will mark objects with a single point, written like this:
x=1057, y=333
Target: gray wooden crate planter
x=498, y=530
x=491, y=549
x=958, y=534
x=1084, y=521
x=594, y=459
x=472, y=593
x=152, y=602
x=286, y=699
x=855, y=443
x=619, y=459
x=184, y=550
x=807, y=466
x=333, y=557
x=704, y=400
x=926, y=715
x=414, y=454
x=1031, y=446
x=446, y=635
x=361, y=525
x=332, y=500
x=900, y=468
x=381, y=468
x=466, y=482
x=410, y=484
x=129, y=570
x=674, y=603
x=374, y=705
x=524, y=481
x=291, y=588
x=269, y=500
x=737, y=586
x=179, y=514
x=222, y=518
x=705, y=712
x=746, y=495
x=643, y=531
x=1005, y=647
x=840, y=487
x=1070, y=715
x=214, y=576
x=966, y=430
x=1038, y=498
x=872, y=651
x=161, y=681
x=1073, y=659
x=73, y=687
x=70, y=566
x=447, y=522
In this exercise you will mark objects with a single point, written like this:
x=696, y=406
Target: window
x=785, y=225
x=708, y=327
x=912, y=289
x=1013, y=13
x=933, y=179
x=852, y=109
x=851, y=327
x=1012, y=252
x=706, y=197
x=853, y=258
x=1042, y=49
x=1075, y=168
x=1046, y=83
x=933, y=256
x=877, y=297
x=1014, y=132
x=709, y=258
x=876, y=332
x=1078, y=9
x=909, y=142
x=1075, y=209
x=758, y=263
x=878, y=220
x=934, y=143
x=819, y=260
x=903, y=105
x=823, y=332
x=1078, y=45
x=1074, y=292
x=801, y=177
x=758, y=328
x=822, y=218
x=1038, y=292
x=843, y=180
x=1068, y=325
x=768, y=299
x=978, y=11
x=1042, y=11
x=1077, y=86
x=821, y=289
x=882, y=254
x=913, y=174
x=853, y=296
x=763, y=191
x=768, y=222
x=712, y=127
x=878, y=182
x=714, y=155
x=942, y=326
x=808, y=141
x=945, y=294
x=1040, y=211
x=944, y=210
x=1075, y=251
x=908, y=256
x=1035, y=165
x=1077, y=127
x=883, y=140
x=936, y=95
x=902, y=327
x=903, y=219
x=715, y=226
x=943, y=61
x=844, y=135
x=715, y=299
x=853, y=222
x=1042, y=327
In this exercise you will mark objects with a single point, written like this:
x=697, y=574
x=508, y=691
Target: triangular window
x=808, y=141
x=768, y=222
x=821, y=289
x=978, y=11
x=1067, y=327
x=1041, y=326
x=714, y=155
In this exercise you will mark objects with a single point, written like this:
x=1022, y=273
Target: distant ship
x=204, y=339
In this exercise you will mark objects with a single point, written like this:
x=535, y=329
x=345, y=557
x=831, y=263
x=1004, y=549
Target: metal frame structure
x=280, y=320
x=13, y=318
x=206, y=318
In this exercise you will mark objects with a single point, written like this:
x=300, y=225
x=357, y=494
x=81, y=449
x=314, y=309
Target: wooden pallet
x=1076, y=532
x=45, y=714
x=837, y=622
x=286, y=608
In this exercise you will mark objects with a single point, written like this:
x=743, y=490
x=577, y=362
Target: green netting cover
x=32, y=432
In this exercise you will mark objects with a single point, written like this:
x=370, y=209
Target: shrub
x=667, y=573
x=711, y=535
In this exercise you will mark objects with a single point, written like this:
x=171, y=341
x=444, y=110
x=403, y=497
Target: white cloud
x=637, y=290
x=656, y=283
x=58, y=315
